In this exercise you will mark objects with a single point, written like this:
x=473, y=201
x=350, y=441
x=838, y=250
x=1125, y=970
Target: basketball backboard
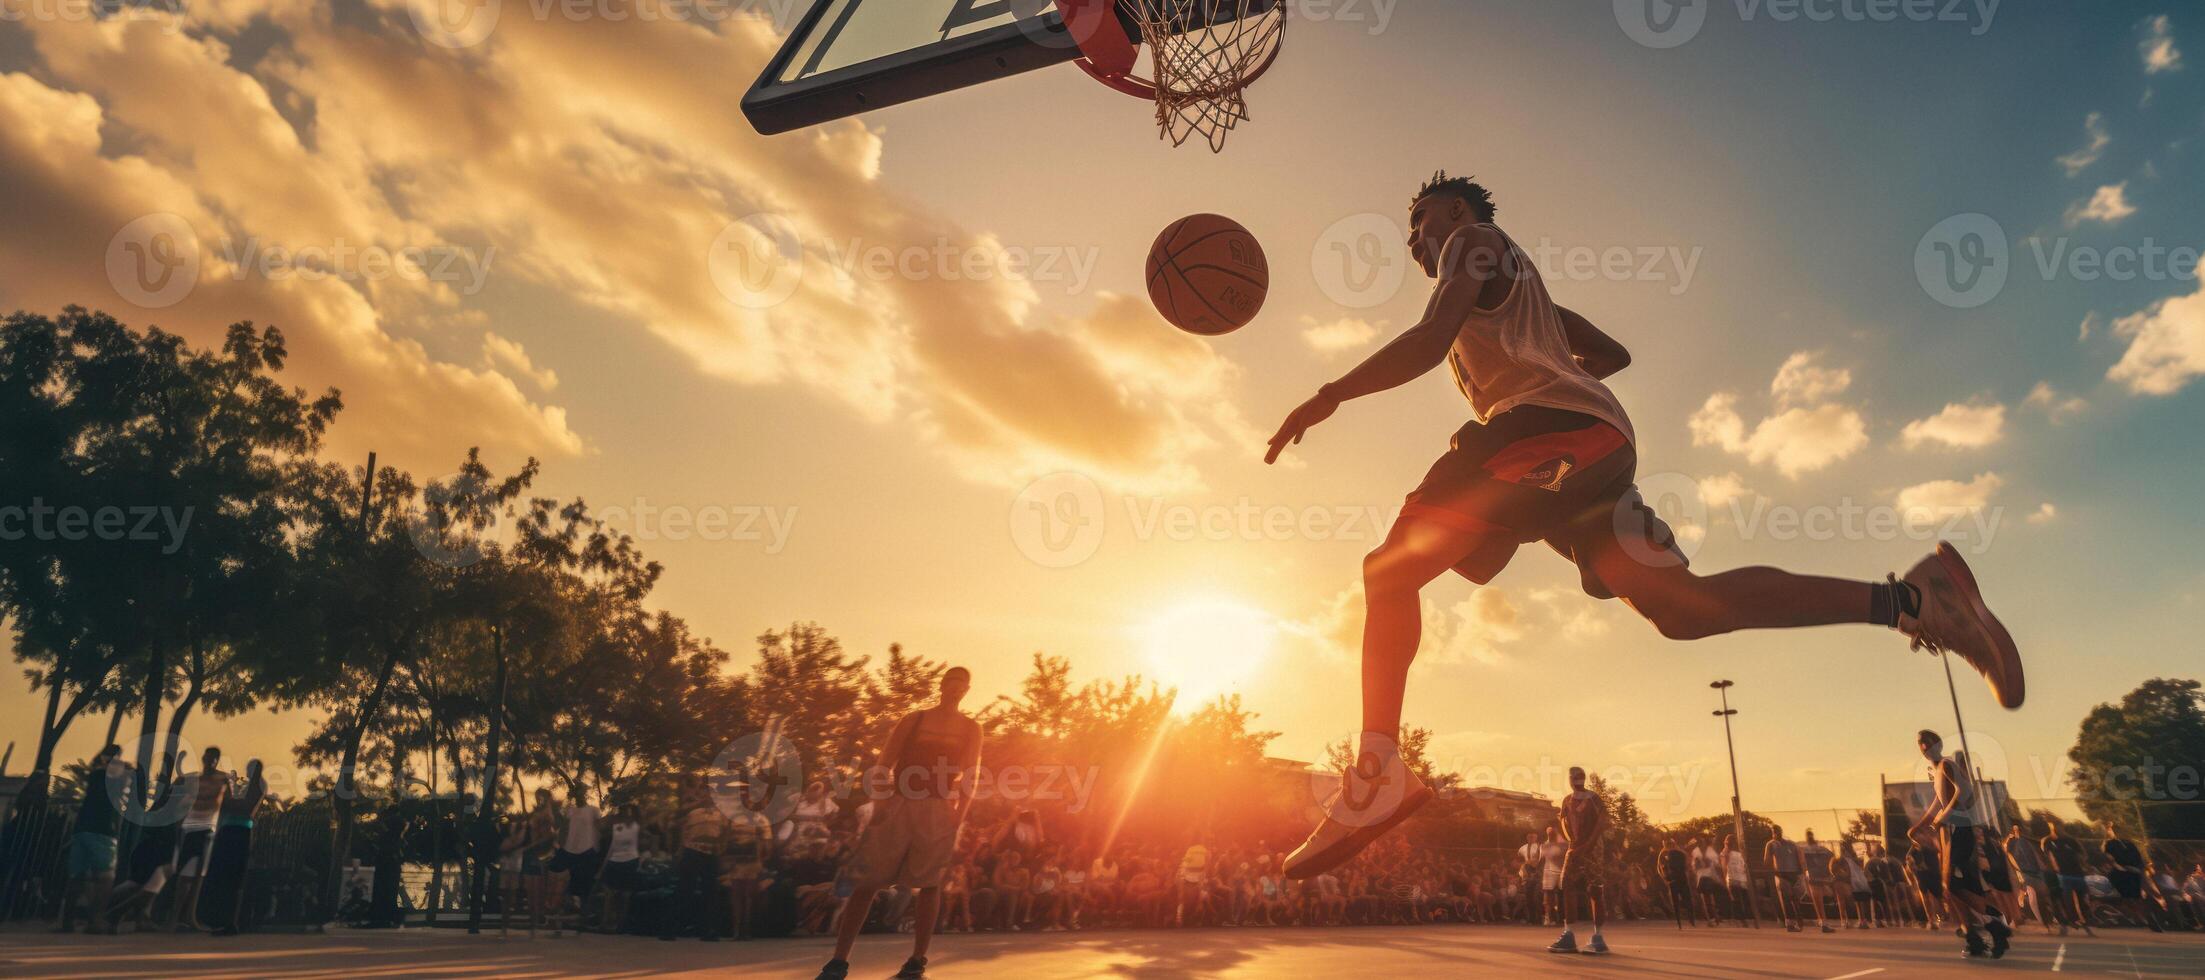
x=850, y=56
x=845, y=57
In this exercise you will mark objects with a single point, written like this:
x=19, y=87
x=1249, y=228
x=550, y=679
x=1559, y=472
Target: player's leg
x=1378, y=792
x=846, y=930
x=1937, y=604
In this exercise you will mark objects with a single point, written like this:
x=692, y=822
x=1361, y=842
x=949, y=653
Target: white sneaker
x=1955, y=620
x=1373, y=797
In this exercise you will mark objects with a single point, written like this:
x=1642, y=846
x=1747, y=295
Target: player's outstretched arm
x=1600, y=354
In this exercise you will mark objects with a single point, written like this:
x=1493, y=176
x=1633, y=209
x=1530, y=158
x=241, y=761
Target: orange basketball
x=1207, y=275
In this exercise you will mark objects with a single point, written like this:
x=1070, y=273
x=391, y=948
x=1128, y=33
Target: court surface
x=1640, y=950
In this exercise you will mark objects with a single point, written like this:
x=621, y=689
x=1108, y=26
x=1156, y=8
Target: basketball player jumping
x=930, y=759
x=1551, y=457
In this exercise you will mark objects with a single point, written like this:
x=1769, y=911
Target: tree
x=2137, y=762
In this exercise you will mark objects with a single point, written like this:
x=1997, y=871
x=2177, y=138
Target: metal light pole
x=1737, y=813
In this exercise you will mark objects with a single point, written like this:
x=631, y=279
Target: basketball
x=1207, y=275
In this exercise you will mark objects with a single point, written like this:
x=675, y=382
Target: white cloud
x=1958, y=427
x=1344, y=334
x=1802, y=381
x=2166, y=346
x=1720, y=491
x=2160, y=53
x=2108, y=206
x=2093, y=148
x=509, y=356
x=2045, y=514
x=1940, y=500
x=1795, y=441
x=2056, y=406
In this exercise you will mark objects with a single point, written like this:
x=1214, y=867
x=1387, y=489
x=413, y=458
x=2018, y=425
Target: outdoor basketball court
x=1640, y=950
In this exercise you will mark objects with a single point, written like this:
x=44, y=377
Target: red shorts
x=1542, y=474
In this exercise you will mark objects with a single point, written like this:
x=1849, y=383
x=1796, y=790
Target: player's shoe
x=1953, y=619
x=913, y=969
x=835, y=970
x=1826, y=930
x=1598, y=946
x=2001, y=937
x=1974, y=944
x=1566, y=944
x=1373, y=797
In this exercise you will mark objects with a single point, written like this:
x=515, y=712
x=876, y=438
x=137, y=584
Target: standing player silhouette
x=1551, y=457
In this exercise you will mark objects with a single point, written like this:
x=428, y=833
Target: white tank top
x=624, y=840
x=1518, y=354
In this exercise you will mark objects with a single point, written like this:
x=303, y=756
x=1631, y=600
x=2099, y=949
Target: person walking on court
x=701, y=830
x=206, y=789
x=1783, y=856
x=930, y=760
x=1951, y=821
x=1674, y=869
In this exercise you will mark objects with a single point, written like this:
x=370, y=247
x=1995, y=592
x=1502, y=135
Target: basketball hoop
x=1203, y=55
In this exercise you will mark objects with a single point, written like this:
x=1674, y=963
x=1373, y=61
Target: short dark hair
x=1925, y=735
x=1466, y=188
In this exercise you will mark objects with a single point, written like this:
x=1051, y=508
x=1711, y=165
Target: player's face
x=1431, y=222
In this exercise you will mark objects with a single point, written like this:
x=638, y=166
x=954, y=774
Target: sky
x=1890, y=273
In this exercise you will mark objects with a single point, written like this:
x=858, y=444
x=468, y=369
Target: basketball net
x=1203, y=55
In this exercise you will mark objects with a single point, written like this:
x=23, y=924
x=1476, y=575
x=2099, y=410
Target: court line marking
x=2059, y=958
x=1863, y=973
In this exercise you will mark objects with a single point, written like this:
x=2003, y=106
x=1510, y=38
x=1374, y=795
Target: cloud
x=1721, y=491
x=509, y=356
x=1796, y=441
x=613, y=187
x=2058, y=407
x=2159, y=51
x=1958, y=427
x=1940, y=500
x=1340, y=335
x=2166, y=346
x=2108, y=206
x=1801, y=381
x=2045, y=514
x=2093, y=148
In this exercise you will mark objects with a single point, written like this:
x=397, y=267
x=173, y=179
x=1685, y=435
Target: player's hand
x=1303, y=419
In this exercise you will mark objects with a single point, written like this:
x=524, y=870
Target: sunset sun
x=1206, y=648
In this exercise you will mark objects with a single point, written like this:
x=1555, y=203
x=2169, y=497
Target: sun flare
x=1207, y=648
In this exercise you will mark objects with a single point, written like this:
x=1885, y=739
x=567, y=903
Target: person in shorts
x=1584, y=865
x=2066, y=854
x=1551, y=456
x=1528, y=859
x=1674, y=870
x=1814, y=859
x=1952, y=817
x=2125, y=870
x=1782, y=854
x=206, y=789
x=90, y=862
x=580, y=850
x=929, y=763
x=622, y=873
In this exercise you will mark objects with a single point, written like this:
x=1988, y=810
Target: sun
x=1206, y=648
